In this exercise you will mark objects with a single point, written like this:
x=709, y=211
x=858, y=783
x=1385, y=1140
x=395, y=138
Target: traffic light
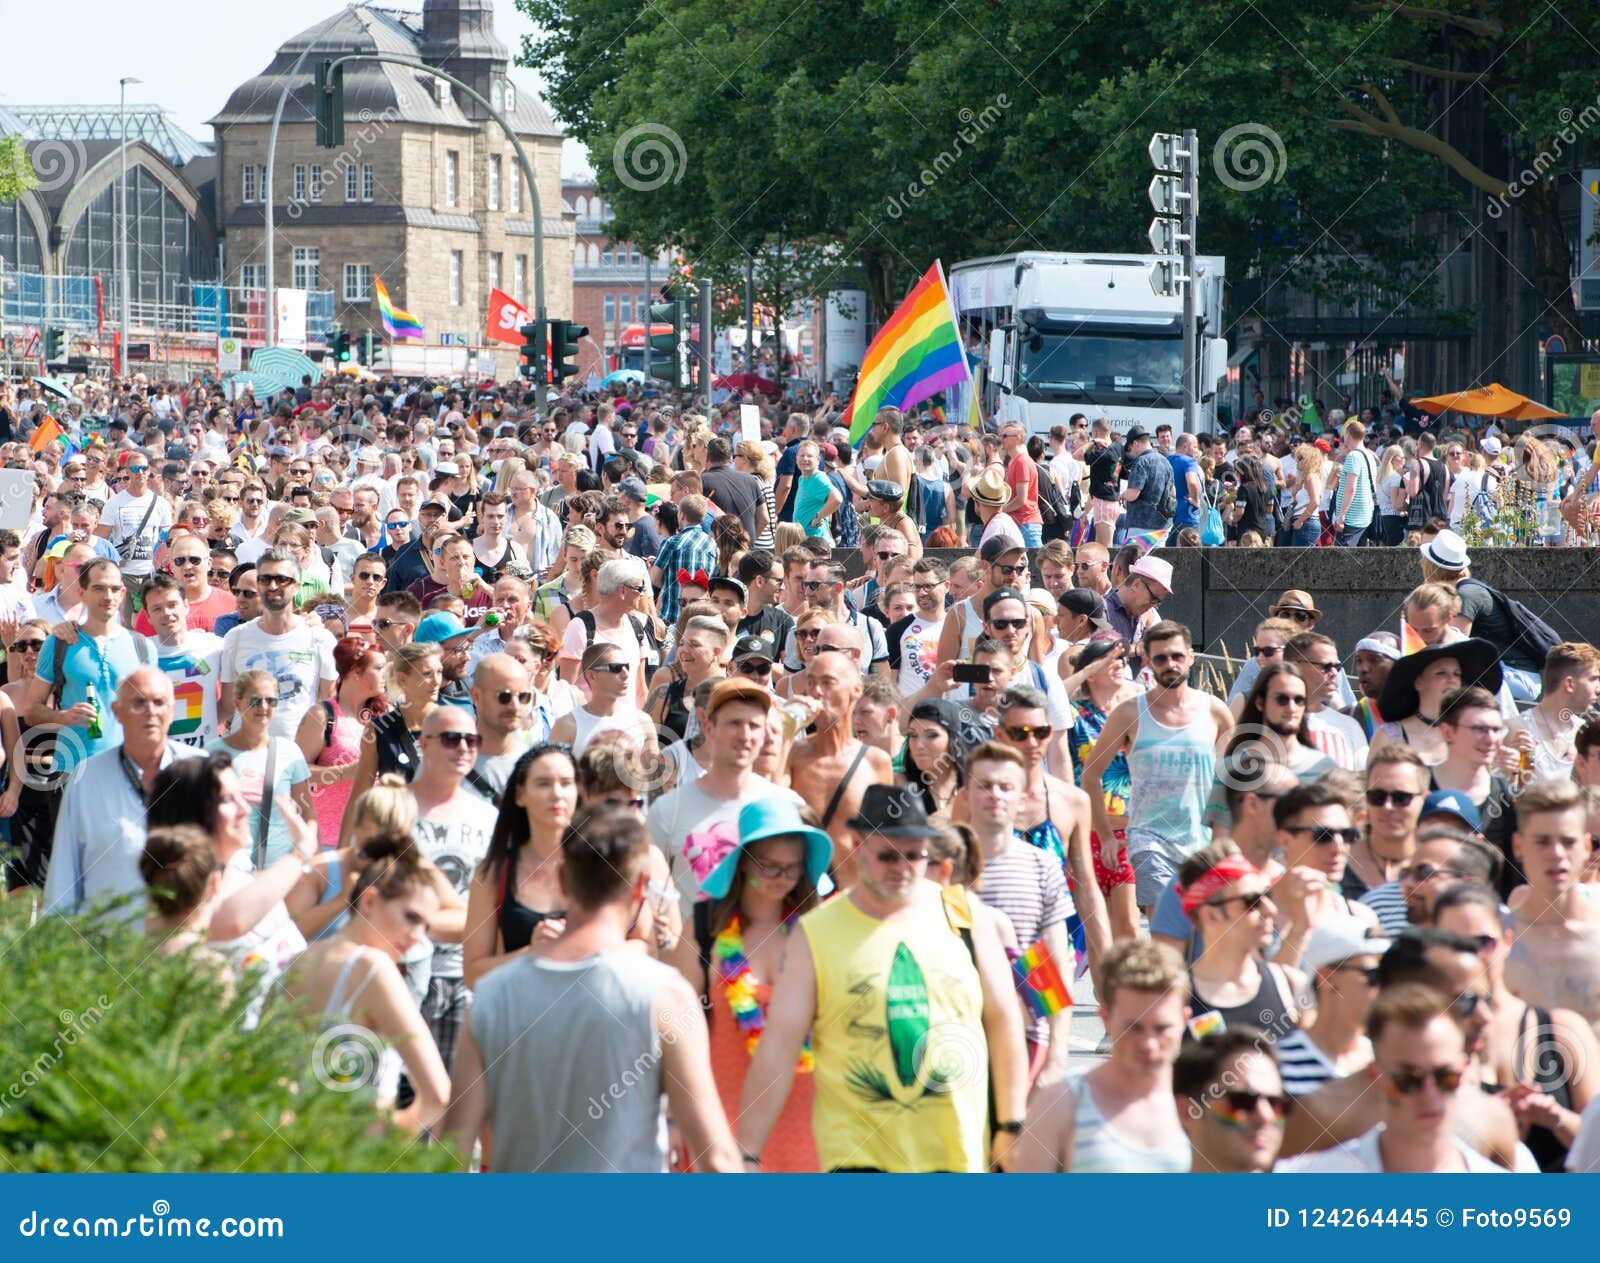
x=55, y=345
x=339, y=341
x=329, y=104
x=533, y=351
x=669, y=352
x=368, y=346
x=564, y=339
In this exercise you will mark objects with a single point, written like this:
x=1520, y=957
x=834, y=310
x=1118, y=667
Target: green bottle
x=95, y=732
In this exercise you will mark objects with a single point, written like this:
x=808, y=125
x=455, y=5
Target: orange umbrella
x=1493, y=400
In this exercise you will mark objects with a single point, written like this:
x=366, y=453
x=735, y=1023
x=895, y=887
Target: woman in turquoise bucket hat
x=753, y=894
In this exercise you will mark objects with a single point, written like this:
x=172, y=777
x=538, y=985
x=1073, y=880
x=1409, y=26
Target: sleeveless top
x=931, y=494
x=675, y=716
x=1045, y=836
x=1269, y=1010
x=574, y=1062
x=1171, y=771
x=588, y=726
x=1551, y=1075
x=898, y=1035
x=354, y=1046
x=1096, y=1146
x=516, y=919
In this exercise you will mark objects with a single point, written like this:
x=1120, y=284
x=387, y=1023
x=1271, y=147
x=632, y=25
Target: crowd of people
x=647, y=793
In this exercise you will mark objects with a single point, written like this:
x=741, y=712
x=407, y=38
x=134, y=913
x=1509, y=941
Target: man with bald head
x=100, y=832
x=502, y=700
x=831, y=769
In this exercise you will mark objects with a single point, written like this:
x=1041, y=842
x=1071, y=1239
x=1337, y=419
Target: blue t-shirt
x=789, y=467
x=103, y=664
x=1188, y=511
x=1169, y=920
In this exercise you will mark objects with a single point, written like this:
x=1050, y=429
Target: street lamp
x=122, y=210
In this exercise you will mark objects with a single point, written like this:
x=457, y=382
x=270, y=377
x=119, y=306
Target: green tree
x=16, y=171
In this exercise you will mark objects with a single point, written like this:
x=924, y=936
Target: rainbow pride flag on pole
x=1040, y=981
x=398, y=324
x=916, y=354
x=1410, y=641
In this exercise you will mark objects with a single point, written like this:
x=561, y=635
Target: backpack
x=649, y=649
x=1484, y=503
x=1530, y=633
x=1053, y=509
x=1167, y=506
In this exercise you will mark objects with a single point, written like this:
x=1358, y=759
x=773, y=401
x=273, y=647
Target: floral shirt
x=1086, y=727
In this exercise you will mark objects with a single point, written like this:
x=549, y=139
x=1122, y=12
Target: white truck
x=1070, y=333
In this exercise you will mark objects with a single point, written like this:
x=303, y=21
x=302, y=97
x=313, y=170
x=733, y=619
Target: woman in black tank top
x=699, y=653
x=516, y=891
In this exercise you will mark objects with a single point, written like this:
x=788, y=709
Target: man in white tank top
x=608, y=675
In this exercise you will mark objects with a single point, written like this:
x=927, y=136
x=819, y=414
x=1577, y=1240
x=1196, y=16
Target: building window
x=299, y=182
x=511, y=96
x=494, y=182
x=442, y=86
x=633, y=256
x=519, y=278
x=582, y=207
x=608, y=305
x=315, y=191
x=247, y=186
x=494, y=270
x=452, y=177
x=358, y=282
x=350, y=186
x=367, y=182
x=252, y=276
x=605, y=257
x=307, y=268
x=516, y=188
x=625, y=311
x=457, y=265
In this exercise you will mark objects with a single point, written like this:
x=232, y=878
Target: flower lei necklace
x=738, y=980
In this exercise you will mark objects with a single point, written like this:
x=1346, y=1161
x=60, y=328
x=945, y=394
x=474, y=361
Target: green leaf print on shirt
x=906, y=1008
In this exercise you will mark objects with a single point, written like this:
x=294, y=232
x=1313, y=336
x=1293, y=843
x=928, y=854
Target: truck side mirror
x=1216, y=366
x=999, y=368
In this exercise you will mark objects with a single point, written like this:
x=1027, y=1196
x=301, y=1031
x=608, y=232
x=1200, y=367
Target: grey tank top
x=574, y=1062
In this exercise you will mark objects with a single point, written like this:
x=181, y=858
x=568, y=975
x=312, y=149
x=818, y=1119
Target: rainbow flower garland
x=738, y=980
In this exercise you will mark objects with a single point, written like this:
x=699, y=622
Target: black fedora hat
x=893, y=811
x=1480, y=665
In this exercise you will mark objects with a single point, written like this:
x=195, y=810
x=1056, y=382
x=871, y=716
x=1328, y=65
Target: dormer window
x=511, y=96
x=441, y=89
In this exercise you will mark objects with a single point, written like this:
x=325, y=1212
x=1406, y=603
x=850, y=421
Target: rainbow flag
x=916, y=354
x=50, y=432
x=1040, y=982
x=1410, y=642
x=398, y=324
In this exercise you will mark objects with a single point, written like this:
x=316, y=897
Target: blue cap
x=771, y=818
x=1452, y=802
x=438, y=627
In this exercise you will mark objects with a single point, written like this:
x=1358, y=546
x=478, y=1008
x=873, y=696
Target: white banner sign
x=292, y=318
x=230, y=355
x=750, y=422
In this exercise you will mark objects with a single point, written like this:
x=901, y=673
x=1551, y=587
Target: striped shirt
x=1025, y=884
x=1303, y=1065
x=690, y=549
x=1356, y=477
x=1390, y=905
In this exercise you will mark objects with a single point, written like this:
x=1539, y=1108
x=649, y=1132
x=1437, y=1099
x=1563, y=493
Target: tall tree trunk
x=1552, y=260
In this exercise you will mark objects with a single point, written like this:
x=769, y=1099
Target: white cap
x=1340, y=940
x=1490, y=446
x=447, y=467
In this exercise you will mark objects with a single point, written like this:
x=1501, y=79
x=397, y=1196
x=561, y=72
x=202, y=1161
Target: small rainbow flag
x=1040, y=982
x=398, y=324
x=1209, y=1023
x=1410, y=641
x=916, y=354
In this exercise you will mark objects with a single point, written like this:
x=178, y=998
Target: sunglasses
x=1370, y=974
x=1463, y=1004
x=1323, y=836
x=755, y=666
x=1409, y=1082
x=138, y=469
x=261, y=703
x=1251, y=902
x=1022, y=569
x=1486, y=942
x=187, y=561
x=506, y=696
x=276, y=581
x=1022, y=732
x=891, y=856
x=611, y=668
x=1266, y=651
x=1296, y=612
x=1390, y=798
x=1241, y=1102
x=1008, y=624
x=888, y=555
x=375, y=576
x=384, y=624
x=454, y=740
x=809, y=633
x=776, y=872
x=27, y=646
x=811, y=585
x=399, y=526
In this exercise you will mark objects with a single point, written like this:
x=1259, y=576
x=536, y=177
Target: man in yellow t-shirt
x=910, y=1009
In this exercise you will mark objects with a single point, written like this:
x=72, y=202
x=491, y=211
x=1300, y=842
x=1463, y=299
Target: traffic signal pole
x=707, y=342
x=413, y=63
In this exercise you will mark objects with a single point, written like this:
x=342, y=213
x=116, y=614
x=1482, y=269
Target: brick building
x=426, y=191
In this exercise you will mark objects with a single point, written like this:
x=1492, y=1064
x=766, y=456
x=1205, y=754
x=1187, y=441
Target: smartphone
x=970, y=673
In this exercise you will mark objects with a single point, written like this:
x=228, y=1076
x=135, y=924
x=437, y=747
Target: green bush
x=113, y=1058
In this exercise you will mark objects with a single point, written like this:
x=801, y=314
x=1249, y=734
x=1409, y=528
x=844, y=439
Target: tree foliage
x=16, y=171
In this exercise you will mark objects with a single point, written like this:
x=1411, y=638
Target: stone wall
x=1221, y=593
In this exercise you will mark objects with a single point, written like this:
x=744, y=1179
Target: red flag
x=506, y=318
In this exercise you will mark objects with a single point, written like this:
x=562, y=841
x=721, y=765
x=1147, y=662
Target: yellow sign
x=1589, y=381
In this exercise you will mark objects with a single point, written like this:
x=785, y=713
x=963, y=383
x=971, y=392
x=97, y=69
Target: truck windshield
x=1102, y=368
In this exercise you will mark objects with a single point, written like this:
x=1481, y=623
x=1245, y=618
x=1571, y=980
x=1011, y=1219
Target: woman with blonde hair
x=752, y=458
x=787, y=535
x=575, y=546
x=510, y=467
x=1393, y=502
x=1305, y=524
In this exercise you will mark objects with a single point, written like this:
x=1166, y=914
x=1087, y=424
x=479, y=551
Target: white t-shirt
x=193, y=669
x=301, y=660
x=1463, y=491
x=919, y=653
x=1002, y=524
x=124, y=514
x=1361, y=1156
x=695, y=830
